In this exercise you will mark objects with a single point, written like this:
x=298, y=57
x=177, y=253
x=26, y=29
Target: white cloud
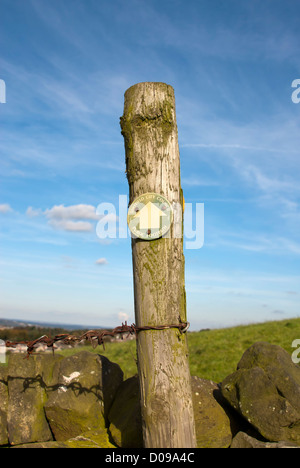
x=101, y=261
x=5, y=208
x=74, y=212
x=69, y=225
x=73, y=218
x=123, y=317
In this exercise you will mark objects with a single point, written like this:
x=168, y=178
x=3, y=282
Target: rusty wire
x=95, y=337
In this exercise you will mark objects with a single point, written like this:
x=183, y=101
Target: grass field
x=214, y=354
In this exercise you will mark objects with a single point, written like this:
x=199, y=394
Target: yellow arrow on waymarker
x=149, y=216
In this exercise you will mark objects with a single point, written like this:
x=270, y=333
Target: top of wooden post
x=150, y=101
x=150, y=132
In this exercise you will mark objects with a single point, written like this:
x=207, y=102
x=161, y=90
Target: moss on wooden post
x=152, y=162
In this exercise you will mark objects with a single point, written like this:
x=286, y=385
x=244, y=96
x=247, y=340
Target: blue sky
x=66, y=65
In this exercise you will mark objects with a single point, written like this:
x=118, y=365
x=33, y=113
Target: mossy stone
x=265, y=390
x=96, y=439
x=27, y=383
x=80, y=401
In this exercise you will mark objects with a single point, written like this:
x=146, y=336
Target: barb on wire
x=95, y=337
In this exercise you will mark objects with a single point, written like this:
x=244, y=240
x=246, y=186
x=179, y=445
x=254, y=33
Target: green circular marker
x=150, y=216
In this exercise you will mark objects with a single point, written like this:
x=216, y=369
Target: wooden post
x=152, y=161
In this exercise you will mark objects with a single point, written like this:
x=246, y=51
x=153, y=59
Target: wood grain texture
x=153, y=165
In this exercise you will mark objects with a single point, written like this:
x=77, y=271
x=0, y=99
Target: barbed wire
x=95, y=337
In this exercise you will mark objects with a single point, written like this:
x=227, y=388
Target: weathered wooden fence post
x=152, y=161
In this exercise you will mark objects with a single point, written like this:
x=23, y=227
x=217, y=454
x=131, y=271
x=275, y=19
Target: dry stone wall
x=82, y=401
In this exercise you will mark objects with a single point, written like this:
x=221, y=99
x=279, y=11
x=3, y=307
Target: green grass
x=214, y=354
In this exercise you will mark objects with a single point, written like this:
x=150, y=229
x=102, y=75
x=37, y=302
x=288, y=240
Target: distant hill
x=21, y=324
x=12, y=323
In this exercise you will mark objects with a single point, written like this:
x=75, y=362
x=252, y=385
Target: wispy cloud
x=33, y=212
x=239, y=146
x=266, y=172
x=271, y=244
x=198, y=182
x=264, y=182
